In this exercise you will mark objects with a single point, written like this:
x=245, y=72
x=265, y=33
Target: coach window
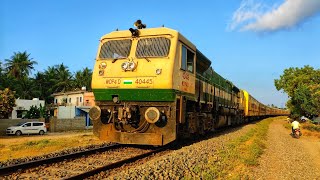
x=187, y=59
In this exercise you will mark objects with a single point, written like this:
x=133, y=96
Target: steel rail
x=19, y=167
x=115, y=165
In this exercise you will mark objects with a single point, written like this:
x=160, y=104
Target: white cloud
x=255, y=16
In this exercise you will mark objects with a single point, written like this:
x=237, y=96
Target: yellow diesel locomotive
x=153, y=85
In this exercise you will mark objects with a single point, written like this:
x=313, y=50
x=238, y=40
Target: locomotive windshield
x=153, y=47
x=115, y=49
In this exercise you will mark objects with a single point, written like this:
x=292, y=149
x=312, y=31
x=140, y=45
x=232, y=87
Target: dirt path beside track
x=288, y=158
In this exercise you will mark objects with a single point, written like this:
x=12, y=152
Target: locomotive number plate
x=113, y=81
x=144, y=81
x=130, y=82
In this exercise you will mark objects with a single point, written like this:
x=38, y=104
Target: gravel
x=188, y=161
x=284, y=158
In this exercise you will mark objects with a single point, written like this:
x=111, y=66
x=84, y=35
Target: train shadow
x=180, y=143
x=196, y=138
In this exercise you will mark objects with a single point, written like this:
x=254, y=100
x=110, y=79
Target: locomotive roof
x=203, y=63
x=146, y=32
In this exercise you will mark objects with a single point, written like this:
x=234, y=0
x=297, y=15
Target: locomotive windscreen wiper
x=147, y=59
x=114, y=60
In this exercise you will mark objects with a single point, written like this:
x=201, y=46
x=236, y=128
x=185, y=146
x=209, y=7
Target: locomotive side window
x=153, y=47
x=187, y=59
x=115, y=49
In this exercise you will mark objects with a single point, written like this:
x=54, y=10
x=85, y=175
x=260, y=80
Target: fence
x=57, y=125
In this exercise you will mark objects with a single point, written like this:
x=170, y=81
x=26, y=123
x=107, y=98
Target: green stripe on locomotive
x=163, y=95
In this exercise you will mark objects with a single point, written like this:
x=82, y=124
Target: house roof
x=70, y=92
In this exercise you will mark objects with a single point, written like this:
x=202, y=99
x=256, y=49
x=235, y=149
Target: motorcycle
x=296, y=133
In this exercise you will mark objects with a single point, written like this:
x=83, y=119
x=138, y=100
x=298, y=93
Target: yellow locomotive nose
x=95, y=113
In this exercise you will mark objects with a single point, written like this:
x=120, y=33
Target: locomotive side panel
x=184, y=68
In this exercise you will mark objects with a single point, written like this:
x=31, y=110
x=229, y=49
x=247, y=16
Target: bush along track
x=311, y=127
x=233, y=161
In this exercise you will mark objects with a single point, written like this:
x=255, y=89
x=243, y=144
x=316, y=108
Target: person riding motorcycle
x=295, y=125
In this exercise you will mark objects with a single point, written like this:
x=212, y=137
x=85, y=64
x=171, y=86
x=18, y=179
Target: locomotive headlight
x=152, y=115
x=131, y=66
x=158, y=71
x=102, y=65
x=124, y=66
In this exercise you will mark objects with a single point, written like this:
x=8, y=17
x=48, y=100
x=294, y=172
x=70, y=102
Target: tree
x=19, y=65
x=63, y=81
x=50, y=79
x=1, y=77
x=26, y=88
x=83, y=78
x=37, y=112
x=39, y=81
x=303, y=89
x=5, y=81
x=1, y=68
x=7, y=102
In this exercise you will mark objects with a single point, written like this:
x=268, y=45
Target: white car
x=27, y=128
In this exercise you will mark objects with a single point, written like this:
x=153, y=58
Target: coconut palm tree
x=83, y=78
x=26, y=89
x=0, y=68
x=1, y=77
x=63, y=80
x=19, y=65
x=40, y=84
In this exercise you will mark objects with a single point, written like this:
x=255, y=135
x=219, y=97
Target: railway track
x=116, y=164
x=27, y=165
x=78, y=165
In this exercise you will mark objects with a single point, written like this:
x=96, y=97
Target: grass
x=19, y=148
x=311, y=127
x=235, y=159
x=34, y=145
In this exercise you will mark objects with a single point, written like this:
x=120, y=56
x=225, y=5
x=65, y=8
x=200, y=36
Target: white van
x=27, y=128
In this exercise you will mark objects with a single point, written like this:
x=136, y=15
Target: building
x=23, y=106
x=73, y=104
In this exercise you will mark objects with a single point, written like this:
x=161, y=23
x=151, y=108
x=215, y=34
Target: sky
x=249, y=42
